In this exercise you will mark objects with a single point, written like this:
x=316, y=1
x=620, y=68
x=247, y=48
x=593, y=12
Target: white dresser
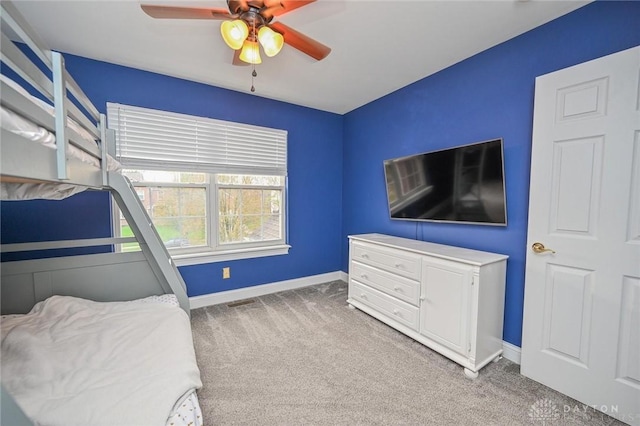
x=448, y=298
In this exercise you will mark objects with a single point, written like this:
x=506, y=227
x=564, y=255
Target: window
x=214, y=190
x=249, y=209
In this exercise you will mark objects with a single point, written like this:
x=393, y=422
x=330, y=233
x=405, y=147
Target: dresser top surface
x=475, y=257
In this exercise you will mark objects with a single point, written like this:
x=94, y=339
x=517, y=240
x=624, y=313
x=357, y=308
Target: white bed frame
x=114, y=276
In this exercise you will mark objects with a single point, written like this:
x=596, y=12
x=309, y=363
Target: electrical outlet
x=226, y=273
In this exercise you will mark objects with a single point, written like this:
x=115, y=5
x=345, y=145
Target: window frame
x=213, y=251
x=209, y=146
x=215, y=203
x=178, y=251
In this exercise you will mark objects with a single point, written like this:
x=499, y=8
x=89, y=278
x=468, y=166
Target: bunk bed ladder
x=150, y=242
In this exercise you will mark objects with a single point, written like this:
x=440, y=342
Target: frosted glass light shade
x=250, y=52
x=234, y=33
x=270, y=40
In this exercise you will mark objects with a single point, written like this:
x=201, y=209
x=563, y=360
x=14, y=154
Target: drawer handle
x=363, y=296
x=396, y=288
x=399, y=265
x=396, y=312
x=364, y=276
x=364, y=255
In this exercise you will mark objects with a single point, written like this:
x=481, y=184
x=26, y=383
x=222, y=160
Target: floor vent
x=240, y=303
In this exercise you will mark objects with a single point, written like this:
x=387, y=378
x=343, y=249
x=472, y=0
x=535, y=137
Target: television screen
x=462, y=184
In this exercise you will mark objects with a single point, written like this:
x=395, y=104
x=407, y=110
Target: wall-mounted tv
x=464, y=184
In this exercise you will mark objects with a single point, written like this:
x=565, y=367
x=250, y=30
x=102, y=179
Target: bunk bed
x=87, y=339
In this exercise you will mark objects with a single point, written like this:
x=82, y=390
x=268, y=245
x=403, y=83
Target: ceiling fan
x=248, y=22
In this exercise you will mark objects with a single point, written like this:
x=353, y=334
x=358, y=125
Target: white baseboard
x=511, y=352
x=261, y=290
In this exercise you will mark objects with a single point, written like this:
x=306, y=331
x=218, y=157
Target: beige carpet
x=302, y=357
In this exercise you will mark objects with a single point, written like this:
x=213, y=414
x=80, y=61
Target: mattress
x=22, y=126
x=72, y=361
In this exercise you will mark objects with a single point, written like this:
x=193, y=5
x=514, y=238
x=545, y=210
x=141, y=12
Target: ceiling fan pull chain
x=253, y=74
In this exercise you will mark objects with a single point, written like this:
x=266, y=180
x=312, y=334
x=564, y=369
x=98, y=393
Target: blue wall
x=23, y=221
x=336, y=181
x=314, y=168
x=487, y=96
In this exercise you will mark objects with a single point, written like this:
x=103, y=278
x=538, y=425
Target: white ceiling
x=378, y=46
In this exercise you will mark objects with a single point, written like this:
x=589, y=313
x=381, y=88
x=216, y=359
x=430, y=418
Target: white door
x=581, y=332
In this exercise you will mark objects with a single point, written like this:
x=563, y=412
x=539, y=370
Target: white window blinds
x=152, y=139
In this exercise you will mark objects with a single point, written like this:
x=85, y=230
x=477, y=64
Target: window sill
x=226, y=255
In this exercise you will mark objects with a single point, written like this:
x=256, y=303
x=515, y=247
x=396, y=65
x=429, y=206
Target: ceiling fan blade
x=303, y=43
x=280, y=7
x=268, y=12
x=236, y=58
x=171, y=12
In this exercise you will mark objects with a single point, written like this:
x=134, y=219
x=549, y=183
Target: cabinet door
x=444, y=310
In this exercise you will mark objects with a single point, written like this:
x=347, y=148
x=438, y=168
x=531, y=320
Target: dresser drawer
x=394, y=285
x=392, y=260
x=390, y=307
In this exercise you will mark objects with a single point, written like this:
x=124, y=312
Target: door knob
x=540, y=248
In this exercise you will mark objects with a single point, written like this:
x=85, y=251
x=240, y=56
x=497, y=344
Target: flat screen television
x=464, y=184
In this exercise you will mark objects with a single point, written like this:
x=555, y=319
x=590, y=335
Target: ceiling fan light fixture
x=250, y=52
x=234, y=33
x=270, y=40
